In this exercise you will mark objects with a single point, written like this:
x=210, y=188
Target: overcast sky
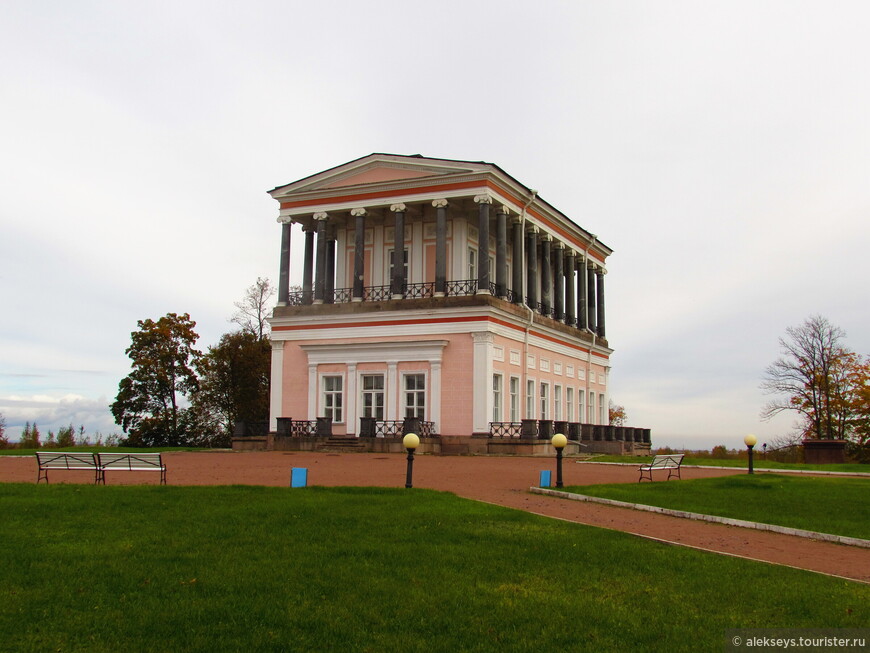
x=722, y=149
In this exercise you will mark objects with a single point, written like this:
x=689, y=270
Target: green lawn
x=93, y=447
x=759, y=463
x=142, y=568
x=840, y=506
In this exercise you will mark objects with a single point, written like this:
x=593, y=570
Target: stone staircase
x=341, y=445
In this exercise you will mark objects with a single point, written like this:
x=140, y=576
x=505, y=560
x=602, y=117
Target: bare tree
x=811, y=378
x=254, y=308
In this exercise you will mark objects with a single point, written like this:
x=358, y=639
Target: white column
x=350, y=397
x=312, y=392
x=276, y=384
x=435, y=394
x=482, y=375
x=392, y=390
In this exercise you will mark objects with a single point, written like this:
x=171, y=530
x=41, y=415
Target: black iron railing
x=505, y=429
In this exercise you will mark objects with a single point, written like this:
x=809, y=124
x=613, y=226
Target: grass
x=94, y=447
x=140, y=568
x=824, y=504
x=759, y=463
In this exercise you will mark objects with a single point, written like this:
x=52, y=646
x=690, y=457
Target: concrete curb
x=811, y=472
x=784, y=530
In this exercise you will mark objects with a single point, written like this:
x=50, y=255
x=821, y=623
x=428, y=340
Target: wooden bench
x=77, y=460
x=670, y=462
x=131, y=462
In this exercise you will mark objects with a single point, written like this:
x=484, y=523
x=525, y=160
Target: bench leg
x=43, y=474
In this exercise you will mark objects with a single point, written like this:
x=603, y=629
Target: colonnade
x=571, y=284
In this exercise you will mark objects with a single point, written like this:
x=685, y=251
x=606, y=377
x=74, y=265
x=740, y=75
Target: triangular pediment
x=376, y=169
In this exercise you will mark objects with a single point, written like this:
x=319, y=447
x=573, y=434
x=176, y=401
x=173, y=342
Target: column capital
x=483, y=199
x=504, y=209
x=357, y=211
x=601, y=271
x=396, y=208
x=320, y=216
x=439, y=203
x=285, y=219
x=533, y=229
x=546, y=238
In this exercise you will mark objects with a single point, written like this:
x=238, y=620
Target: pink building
x=441, y=292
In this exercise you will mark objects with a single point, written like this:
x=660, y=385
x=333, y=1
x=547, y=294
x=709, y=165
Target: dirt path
x=499, y=480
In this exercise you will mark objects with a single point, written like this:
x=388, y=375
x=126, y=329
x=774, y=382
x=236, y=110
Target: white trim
x=276, y=385
x=375, y=352
x=312, y=392
x=481, y=408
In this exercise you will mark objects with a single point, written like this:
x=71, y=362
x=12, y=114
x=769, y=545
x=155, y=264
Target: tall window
x=332, y=397
x=415, y=395
x=404, y=262
x=602, y=411
x=515, y=398
x=592, y=408
x=581, y=406
x=472, y=263
x=530, y=399
x=496, y=398
x=373, y=395
x=545, y=401
x=569, y=404
x=557, y=400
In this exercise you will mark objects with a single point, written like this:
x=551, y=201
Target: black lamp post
x=559, y=441
x=410, y=442
x=750, y=441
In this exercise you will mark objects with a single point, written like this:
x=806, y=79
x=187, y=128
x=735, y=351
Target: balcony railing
x=426, y=290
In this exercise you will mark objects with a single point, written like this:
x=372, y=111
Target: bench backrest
x=137, y=461
x=667, y=460
x=130, y=460
x=66, y=460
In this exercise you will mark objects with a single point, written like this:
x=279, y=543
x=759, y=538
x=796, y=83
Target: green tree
x=234, y=380
x=29, y=437
x=151, y=405
x=66, y=436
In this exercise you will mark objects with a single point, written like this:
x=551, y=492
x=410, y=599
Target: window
x=545, y=401
x=569, y=404
x=404, y=263
x=557, y=399
x=530, y=399
x=592, y=408
x=515, y=398
x=415, y=395
x=373, y=395
x=496, y=397
x=581, y=400
x=602, y=408
x=332, y=397
x=472, y=263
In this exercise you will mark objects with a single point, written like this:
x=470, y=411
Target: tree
x=234, y=379
x=616, y=414
x=4, y=439
x=148, y=406
x=254, y=308
x=29, y=437
x=818, y=378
